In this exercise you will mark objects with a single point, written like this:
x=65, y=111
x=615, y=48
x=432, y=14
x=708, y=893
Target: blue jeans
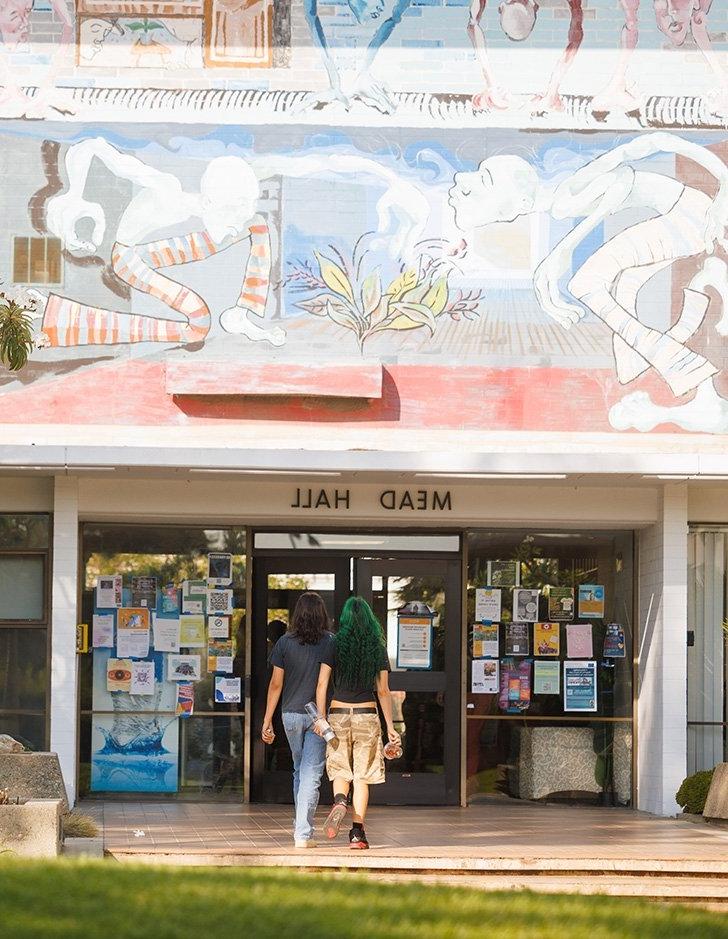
x=309, y=757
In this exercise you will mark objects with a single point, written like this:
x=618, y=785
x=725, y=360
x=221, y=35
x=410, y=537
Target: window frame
x=46, y=239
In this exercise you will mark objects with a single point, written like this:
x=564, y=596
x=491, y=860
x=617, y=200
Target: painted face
x=366, y=9
x=229, y=192
x=673, y=19
x=517, y=18
x=15, y=20
x=503, y=188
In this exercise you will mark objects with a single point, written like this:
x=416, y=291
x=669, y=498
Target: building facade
x=426, y=301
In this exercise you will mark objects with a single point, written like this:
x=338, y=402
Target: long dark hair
x=359, y=644
x=310, y=619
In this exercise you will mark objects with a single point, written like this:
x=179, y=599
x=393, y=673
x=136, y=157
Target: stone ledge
x=32, y=829
x=30, y=775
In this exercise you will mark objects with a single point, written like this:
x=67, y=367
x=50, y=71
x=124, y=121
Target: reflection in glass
x=29, y=729
x=419, y=718
x=24, y=531
x=22, y=588
x=23, y=675
x=211, y=755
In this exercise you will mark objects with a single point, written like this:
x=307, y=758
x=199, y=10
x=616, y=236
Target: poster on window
x=485, y=641
x=102, y=631
x=517, y=639
x=515, y=686
x=169, y=600
x=102, y=699
x=219, y=569
x=580, y=686
x=487, y=604
x=109, y=592
x=219, y=601
x=132, y=632
x=579, y=643
x=184, y=667
x=144, y=592
x=615, y=646
x=194, y=596
x=414, y=639
x=546, y=639
x=591, y=601
x=546, y=677
x=525, y=605
x=137, y=755
x=484, y=677
x=561, y=603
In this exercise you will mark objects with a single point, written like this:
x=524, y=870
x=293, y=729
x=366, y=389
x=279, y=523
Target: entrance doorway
x=426, y=702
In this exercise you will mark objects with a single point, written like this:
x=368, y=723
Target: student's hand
x=394, y=737
x=318, y=727
x=267, y=734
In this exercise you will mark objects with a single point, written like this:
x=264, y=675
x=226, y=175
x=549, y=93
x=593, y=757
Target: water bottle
x=313, y=713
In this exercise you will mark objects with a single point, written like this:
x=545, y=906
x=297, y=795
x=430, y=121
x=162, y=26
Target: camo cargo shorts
x=357, y=751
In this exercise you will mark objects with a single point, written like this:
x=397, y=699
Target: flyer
x=109, y=592
x=191, y=631
x=561, y=603
x=579, y=641
x=219, y=601
x=525, y=605
x=615, y=646
x=132, y=633
x=546, y=639
x=220, y=655
x=218, y=627
x=118, y=675
x=227, y=690
x=170, y=599
x=219, y=569
x=546, y=677
x=591, y=601
x=580, y=686
x=485, y=676
x=144, y=592
x=515, y=686
x=516, y=639
x=485, y=641
x=166, y=634
x=487, y=604
x=102, y=630
x=194, y=596
x=502, y=573
x=185, y=699
x=414, y=641
x=183, y=667
x=142, y=678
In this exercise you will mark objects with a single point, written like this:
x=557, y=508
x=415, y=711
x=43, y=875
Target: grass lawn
x=95, y=900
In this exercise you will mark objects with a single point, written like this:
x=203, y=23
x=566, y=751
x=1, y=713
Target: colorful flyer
x=517, y=639
x=227, y=690
x=561, y=604
x=484, y=679
x=591, y=601
x=219, y=569
x=515, y=686
x=191, y=631
x=102, y=631
x=194, y=596
x=142, y=678
x=502, y=573
x=220, y=655
x=487, y=604
x=166, y=634
x=185, y=699
x=218, y=627
x=132, y=633
x=580, y=686
x=118, y=675
x=219, y=601
x=485, y=641
x=109, y=592
x=615, y=646
x=144, y=592
x=525, y=605
x=169, y=602
x=546, y=677
x=546, y=639
x=579, y=641
x=183, y=667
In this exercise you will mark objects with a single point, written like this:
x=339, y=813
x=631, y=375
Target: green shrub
x=694, y=791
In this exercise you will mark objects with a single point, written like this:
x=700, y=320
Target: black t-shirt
x=301, y=664
x=359, y=694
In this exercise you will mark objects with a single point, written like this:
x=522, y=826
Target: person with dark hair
x=360, y=670
x=296, y=659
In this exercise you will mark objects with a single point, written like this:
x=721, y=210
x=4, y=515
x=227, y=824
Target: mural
x=484, y=273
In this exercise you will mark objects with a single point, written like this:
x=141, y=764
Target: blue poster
x=580, y=686
x=615, y=646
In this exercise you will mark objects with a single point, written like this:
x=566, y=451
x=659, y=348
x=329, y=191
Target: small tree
x=16, y=333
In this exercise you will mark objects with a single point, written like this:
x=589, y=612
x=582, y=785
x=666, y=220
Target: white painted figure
x=686, y=223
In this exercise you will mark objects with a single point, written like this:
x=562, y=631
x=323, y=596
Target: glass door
x=278, y=582
x=426, y=699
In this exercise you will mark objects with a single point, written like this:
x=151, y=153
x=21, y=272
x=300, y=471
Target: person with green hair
x=355, y=757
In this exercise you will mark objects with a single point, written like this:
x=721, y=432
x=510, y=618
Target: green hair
x=359, y=645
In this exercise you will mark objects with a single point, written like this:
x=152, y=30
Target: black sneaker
x=358, y=839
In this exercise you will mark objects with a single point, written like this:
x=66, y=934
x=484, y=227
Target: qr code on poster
x=219, y=601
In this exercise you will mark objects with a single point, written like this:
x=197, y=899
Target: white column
x=64, y=670
x=662, y=655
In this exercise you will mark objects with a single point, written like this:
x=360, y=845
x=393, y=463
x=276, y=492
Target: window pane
x=211, y=755
x=29, y=729
x=22, y=669
x=24, y=531
x=38, y=270
x=21, y=260
x=53, y=250
x=419, y=718
x=22, y=588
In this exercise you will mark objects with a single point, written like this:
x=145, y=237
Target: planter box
x=33, y=776
x=32, y=829
x=716, y=805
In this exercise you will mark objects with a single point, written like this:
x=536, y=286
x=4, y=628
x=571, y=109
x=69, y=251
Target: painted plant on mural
x=595, y=268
